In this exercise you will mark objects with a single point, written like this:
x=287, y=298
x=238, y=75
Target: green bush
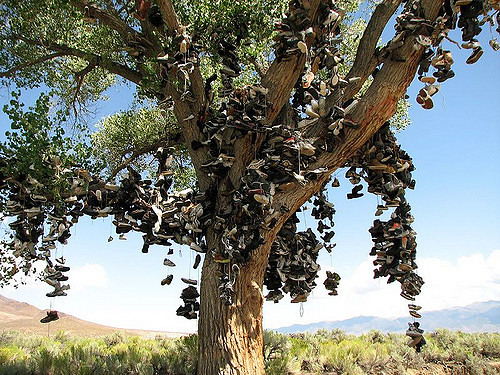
x=319, y=353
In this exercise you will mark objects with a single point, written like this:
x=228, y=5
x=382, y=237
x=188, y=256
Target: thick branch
x=280, y=79
x=106, y=17
x=366, y=59
x=31, y=63
x=258, y=68
x=169, y=16
x=283, y=74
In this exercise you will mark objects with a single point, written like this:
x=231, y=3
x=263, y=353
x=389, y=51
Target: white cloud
x=448, y=284
x=470, y=279
x=89, y=275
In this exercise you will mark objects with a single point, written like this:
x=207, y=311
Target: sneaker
x=56, y=293
x=415, y=314
x=407, y=296
x=414, y=307
x=302, y=46
x=307, y=79
x=355, y=193
x=167, y=280
x=61, y=268
x=471, y=44
x=189, y=293
x=476, y=54
x=426, y=79
x=189, y=281
x=299, y=298
x=494, y=44
x=167, y=262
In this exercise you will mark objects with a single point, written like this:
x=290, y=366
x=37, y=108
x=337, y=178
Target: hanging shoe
x=415, y=314
x=189, y=281
x=197, y=261
x=56, y=293
x=476, y=54
x=167, y=280
x=167, y=262
x=51, y=316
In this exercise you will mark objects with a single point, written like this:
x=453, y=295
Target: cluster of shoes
x=245, y=111
x=137, y=205
x=324, y=210
x=468, y=21
x=332, y=282
x=297, y=30
x=181, y=63
x=54, y=275
x=387, y=169
x=310, y=94
x=189, y=296
x=227, y=276
x=292, y=266
x=230, y=67
x=417, y=336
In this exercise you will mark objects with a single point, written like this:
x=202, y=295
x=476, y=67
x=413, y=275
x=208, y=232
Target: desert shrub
x=183, y=356
x=276, y=346
x=325, y=351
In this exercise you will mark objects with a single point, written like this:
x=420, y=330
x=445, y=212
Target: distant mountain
x=21, y=316
x=477, y=317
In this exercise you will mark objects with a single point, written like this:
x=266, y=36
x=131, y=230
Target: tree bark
x=231, y=337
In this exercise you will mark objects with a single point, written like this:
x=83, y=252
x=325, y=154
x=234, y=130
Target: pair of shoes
x=425, y=94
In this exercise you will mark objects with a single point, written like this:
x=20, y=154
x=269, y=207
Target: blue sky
x=456, y=149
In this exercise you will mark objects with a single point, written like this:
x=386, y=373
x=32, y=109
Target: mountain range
x=477, y=317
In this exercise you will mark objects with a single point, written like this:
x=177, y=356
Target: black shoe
x=51, y=316
x=197, y=261
x=61, y=268
x=355, y=193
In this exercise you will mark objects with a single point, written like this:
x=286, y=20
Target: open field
x=325, y=352
x=23, y=317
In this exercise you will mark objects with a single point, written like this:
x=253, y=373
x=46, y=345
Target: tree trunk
x=231, y=337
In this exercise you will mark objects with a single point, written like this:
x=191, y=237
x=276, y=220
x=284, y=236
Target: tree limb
x=106, y=17
x=31, y=63
x=258, y=68
x=280, y=79
x=80, y=76
x=112, y=20
x=138, y=152
x=366, y=59
x=109, y=65
x=169, y=16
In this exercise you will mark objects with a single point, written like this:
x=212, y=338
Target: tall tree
x=261, y=100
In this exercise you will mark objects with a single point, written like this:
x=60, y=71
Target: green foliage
x=322, y=352
x=39, y=147
x=115, y=354
x=55, y=21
